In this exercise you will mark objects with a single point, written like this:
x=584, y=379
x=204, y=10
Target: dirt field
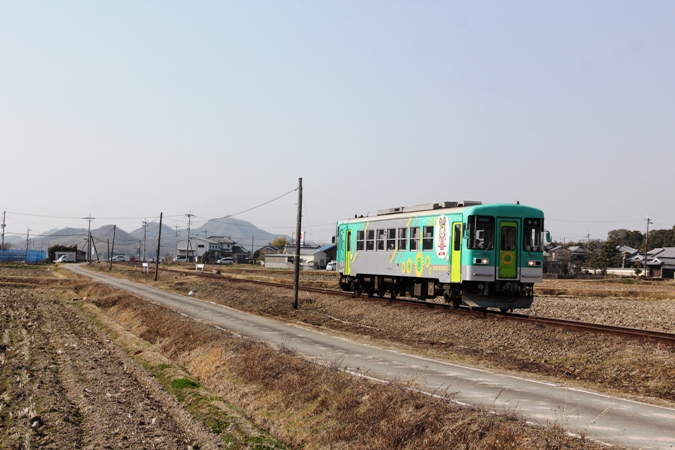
x=83, y=366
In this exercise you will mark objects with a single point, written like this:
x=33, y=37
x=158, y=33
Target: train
x=469, y=253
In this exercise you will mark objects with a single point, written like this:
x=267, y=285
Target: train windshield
x=481, y=232
x=532, y=235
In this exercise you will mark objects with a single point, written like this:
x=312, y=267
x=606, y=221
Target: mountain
x=132, y=243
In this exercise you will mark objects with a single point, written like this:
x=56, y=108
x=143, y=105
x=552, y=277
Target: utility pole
x=89, y=238
x=112, y=250
x=252, y=240
x=297, y=247
x=3, y=230
x=187, y=245
x=27, y=238
x=159, y=244
x=647, y=247
x=145, y=229
x=176, y=254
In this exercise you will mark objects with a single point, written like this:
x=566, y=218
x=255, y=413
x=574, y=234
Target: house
x=310, y=257
x=226, y=244
x=241, y=255
x=627, y=254
x=330, y=250
x=196, y=247
x=279, y=261
x=268, y=250
x=558, y=260
x=230, y=249
x=661, y=262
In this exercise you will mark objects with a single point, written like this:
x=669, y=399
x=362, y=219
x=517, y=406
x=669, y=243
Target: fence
x=30, y=256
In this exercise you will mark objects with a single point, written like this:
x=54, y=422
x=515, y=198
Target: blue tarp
x=32, y=256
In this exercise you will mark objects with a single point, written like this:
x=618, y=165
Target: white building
x=197, y=247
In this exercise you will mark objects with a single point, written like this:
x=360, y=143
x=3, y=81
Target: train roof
x=428, y=207
x=439, y=208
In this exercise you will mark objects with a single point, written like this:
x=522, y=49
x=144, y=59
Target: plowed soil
x=65, y=385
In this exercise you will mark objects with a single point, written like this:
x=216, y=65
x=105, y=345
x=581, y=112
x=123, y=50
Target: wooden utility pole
x=2, y=247
x=187, y=245
x=297, y=247
x=89, y=218
x=646, y=247
x=112, y=250
x=159, y=244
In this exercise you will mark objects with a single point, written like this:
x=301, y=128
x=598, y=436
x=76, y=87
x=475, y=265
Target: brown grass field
x=235, y=393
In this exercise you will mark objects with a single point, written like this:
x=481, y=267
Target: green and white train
x=483, y=256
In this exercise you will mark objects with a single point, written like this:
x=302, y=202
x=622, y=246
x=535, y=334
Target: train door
x=456, y=253
x=508, y=246
x=348, y=254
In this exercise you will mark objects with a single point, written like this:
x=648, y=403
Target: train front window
x=508, y=238
x=481, y=232
x=532, y=235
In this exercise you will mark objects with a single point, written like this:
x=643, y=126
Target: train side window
x=391, y=239
x=360, y=240
x=428, y=239
x=414, y=238
x=402, y=239
x=457, y=237
x=370, y=240
x=381, y=237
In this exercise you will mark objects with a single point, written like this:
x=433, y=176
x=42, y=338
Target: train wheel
x=392, y=295
x=504, y=310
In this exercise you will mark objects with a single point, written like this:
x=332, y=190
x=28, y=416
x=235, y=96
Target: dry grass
x=612, y=364
x=311, y=406
x=304, y=404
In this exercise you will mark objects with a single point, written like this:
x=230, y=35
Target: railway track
x=634, y=333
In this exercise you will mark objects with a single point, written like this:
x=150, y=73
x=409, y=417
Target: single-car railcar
x=483, y=256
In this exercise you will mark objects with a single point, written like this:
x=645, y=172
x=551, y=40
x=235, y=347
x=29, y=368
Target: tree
x=634, y=239
x=279, y=243
x=51, y=251
x=661, y=238
x=602, y=255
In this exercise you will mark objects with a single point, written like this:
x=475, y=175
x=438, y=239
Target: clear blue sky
x=123, y=110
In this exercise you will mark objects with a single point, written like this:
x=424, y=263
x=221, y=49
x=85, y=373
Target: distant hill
x=131, y=243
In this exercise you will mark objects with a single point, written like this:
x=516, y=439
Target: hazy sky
x=122, y=110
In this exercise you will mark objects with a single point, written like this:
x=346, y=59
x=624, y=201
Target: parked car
x=227, y=261
x=118, y=258
x=180, y=259
x=331, y=265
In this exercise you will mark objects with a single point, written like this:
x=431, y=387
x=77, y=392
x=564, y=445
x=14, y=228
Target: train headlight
x=533, y=263
x=481, y=261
